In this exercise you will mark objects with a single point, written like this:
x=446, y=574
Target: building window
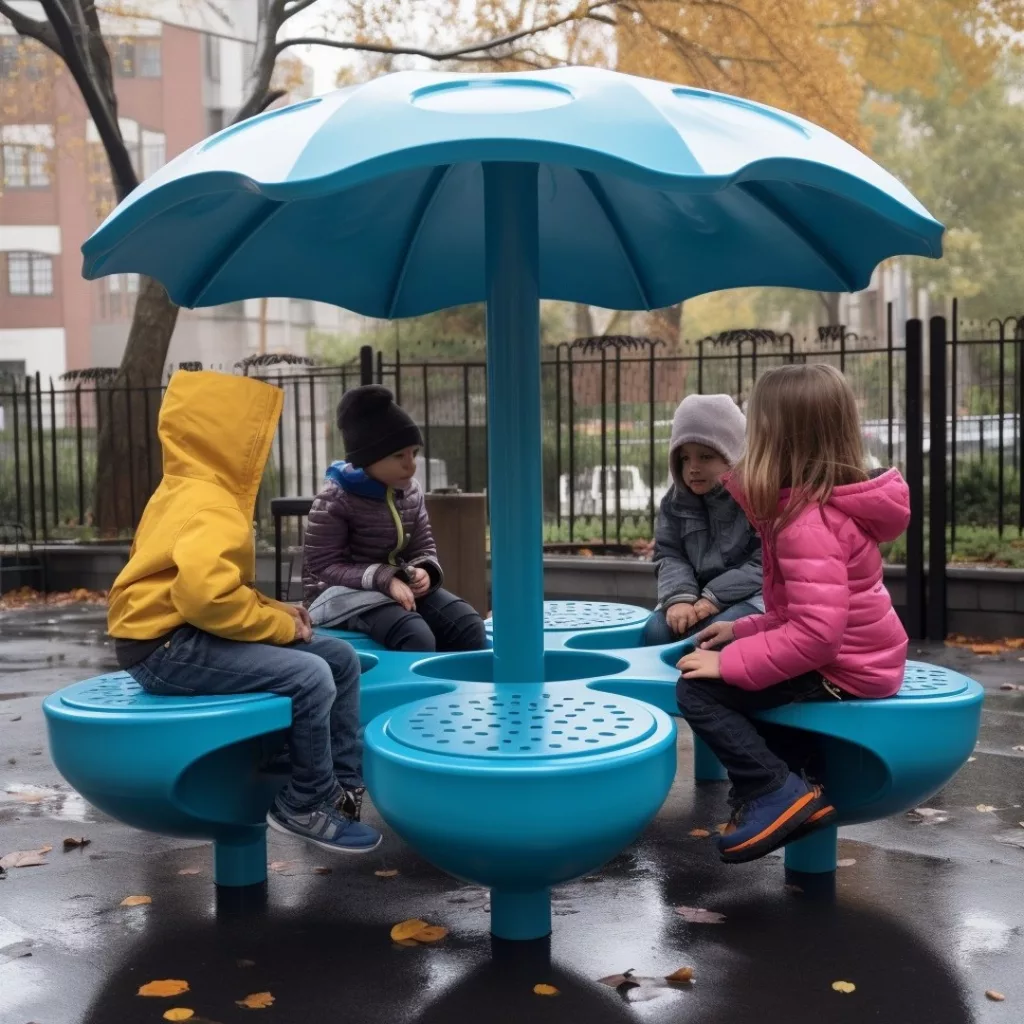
x=214, y=120
x=21, y=58
x=29, y=273
x=137, y=58
x=25, y=166
x=153, y=152
x=117, y=295
x=211, y=55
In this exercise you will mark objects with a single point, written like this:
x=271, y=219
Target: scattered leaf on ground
x=245, y=963
x=846, y=987
x=929, y=814
x=73, y=843
x=15, y=951
x=696, y=915
x=545, y=990
x=431, y=933
x=846, y=862
x=323, y=871
x=996, y=997
x=164, y=989
x=1019, y=748
x=386, y=873
x=699, y=833
x=790, y=887
x=407, y=929
x=988, y=649
x=406, y=942
x=615, y=980
x=190, y=871
x=590, y=879
x=1007, y=686
x=179, y=1013
x=136, y=901
x=255, y=1001
x=985, y=808
x=971, y=760
x=25, y=858
x=680, y=977
x=280, y=865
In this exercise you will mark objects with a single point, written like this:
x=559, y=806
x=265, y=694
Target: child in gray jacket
x=708, y=557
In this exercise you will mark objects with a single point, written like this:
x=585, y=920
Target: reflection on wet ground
x=925, y=916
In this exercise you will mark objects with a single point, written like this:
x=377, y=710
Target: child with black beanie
x=369, y=559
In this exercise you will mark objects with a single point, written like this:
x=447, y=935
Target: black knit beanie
x=373, y=427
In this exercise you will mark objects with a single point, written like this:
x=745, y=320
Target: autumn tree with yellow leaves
x=816, y=58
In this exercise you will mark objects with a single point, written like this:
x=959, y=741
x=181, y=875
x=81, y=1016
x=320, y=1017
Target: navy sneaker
x=325, y=826
x=764, y=824
x=825, y=815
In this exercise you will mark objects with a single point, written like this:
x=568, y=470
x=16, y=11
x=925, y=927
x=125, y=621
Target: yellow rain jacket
x=194, y=560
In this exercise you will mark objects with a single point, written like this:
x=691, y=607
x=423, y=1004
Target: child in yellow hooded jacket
x=186, y=618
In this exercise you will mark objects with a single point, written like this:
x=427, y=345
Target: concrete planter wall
x=980, y=602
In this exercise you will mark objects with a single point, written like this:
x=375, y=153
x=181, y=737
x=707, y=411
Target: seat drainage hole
x=494, y=748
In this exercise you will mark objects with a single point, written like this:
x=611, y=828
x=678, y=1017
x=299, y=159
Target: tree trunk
x=128, y=451
x=583, y=321
x=666, y=324
x=830, y=300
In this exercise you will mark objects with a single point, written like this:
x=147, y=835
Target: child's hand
x=303, y=624
x=705, y=609
x=402, y=594
x=681, y=618
x=718, y=634
x=420, y=582
x=701, y=665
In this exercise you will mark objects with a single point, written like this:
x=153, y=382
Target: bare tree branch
x=293, y=7
x=442, y=55
x=31, y=28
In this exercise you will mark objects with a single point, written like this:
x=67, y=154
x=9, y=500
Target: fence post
x=915, y=479
x=365, y=365
x=937, y=481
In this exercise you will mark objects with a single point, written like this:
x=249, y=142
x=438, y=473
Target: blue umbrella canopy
x=372, y=197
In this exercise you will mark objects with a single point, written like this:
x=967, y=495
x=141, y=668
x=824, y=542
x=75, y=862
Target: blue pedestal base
x=706, y=767
x=814, y=855
x=520, y=915
x=241, y=863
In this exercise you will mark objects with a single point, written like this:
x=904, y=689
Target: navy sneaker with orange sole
x=766, y=823
x=824, y=815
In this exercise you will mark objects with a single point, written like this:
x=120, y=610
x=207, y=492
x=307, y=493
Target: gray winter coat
x=704, y=547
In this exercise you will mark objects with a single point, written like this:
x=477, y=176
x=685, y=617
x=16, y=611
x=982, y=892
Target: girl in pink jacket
x=829, y=631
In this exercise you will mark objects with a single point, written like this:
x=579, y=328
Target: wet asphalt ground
x=925, y=916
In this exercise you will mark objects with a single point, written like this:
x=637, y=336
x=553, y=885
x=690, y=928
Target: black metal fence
x=607, y=408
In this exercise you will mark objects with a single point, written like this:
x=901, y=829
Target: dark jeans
x=441, y=622
x=657, y=631
x=321, y=678
x=758, y=758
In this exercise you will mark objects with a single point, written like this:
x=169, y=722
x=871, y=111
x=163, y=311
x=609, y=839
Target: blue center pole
x=515, y=478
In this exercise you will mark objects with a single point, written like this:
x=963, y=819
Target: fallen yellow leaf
x=846, y=987
x=699, y=833
x=163, y=989
x=323, y=871
x=406, y=942
x=408, y=929
x=985, y=808
x=996, y=997
x=846, y=862
x=179, y=1013
x=190, y=871
x=73, y=843
x=545, y=990
x=136, y=901
x=386, y=873
x=432, y=933
x=682, y=976
x=280, y=865
x=255, y=1001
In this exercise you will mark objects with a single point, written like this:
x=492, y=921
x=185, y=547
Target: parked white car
x=633, y=494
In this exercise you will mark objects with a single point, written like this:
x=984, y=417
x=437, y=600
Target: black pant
x=758, y=758
x=441, y=622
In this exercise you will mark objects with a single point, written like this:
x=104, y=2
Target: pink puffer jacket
x=826, y=607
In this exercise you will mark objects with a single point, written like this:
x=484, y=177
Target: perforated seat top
x=561, y=616
x=119, y=692
x=922, y=681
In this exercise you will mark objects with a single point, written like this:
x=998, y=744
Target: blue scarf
x=356, y=481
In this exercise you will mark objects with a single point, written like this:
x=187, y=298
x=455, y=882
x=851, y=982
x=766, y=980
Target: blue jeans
x=321, y=678
x=657, y=630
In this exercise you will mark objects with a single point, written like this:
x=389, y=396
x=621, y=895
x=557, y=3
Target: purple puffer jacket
x=359, y=534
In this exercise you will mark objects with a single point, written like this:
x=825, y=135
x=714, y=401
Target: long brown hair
x=803, y=432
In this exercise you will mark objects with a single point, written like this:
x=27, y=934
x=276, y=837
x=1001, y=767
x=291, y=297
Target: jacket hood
x=218, y=428
x=880, y=506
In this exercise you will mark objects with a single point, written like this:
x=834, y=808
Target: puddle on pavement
x=46, y=802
